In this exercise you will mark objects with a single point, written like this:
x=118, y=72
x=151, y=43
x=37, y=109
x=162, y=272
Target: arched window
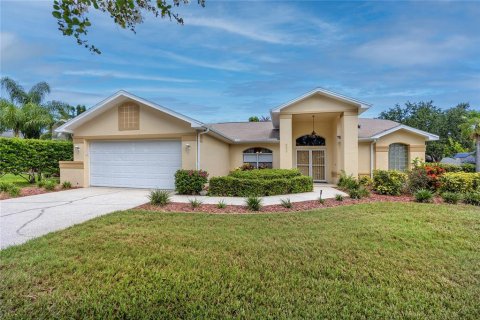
x=310, y=140
x=259, y=158
x=398, y=157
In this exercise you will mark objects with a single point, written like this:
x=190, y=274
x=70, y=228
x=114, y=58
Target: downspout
x=372, y=154
x=198, y=147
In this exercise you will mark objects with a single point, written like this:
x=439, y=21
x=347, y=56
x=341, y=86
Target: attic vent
x=128, y=117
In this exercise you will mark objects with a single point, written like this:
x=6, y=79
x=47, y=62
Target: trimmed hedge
x=230, y=186
x=19, y=156
x=460, y=182
x=190, y=181
x=267, y=174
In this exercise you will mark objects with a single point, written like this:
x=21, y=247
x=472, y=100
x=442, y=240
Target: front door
x=311, y=162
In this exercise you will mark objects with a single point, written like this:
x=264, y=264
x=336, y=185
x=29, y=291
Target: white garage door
x=135, y=164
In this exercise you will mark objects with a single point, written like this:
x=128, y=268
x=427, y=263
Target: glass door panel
x=318, y=165
x=303, y=161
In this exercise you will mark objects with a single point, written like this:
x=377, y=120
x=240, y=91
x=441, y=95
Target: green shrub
x=19, y=156
x=159, y=197
x=5, y=186
x=347, y=182
x=50, y=185
x=358, y=193
x=66, y=185
x=9, y=188
x=190, y=181
x=229, y=186
x=266, y=174
x=286, y=203
x=365, y=181
x=195, y=203
x=41, y=183
x=418, y=179
x=253, y=203
x=472, y=198
x=14, y=191
x=452, y=197
x=221, y=204
x=389, y=182
x=460, y=182
x=466, y=167
x=423, y=196
x=339, y=197
x=321, y=200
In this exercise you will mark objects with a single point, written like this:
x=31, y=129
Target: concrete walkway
x=328, y=191
x=25, y=218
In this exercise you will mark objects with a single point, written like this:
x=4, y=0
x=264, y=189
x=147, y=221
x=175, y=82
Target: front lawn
x=19, y=181
x=379, y=260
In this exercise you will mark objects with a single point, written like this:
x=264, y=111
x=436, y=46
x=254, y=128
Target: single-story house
x=127, y=141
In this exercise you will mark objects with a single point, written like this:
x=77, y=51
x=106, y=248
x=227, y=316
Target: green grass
x=16, y=180
x=375, y=261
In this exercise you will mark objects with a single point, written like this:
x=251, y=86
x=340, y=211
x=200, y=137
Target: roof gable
x=361, y=105
x=115, y=99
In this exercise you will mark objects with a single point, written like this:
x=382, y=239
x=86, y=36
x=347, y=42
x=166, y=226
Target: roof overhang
x=362, y=106
x=114, y=99
x=428, y=136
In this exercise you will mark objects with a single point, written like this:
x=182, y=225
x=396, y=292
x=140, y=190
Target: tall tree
x=72, y=15
x=471, y=128
x=23, y=112
x=445, y=123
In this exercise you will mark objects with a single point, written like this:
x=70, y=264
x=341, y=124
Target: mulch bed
x=297, y=206
x=30, y=191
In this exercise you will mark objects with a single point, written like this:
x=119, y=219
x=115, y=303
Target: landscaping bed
x=14, y=186
x=297, y=206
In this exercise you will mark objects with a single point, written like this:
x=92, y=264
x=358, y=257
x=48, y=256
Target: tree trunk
x=477, y=152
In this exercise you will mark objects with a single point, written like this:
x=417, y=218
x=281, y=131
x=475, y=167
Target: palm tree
x=472, y=128
x=23, y=112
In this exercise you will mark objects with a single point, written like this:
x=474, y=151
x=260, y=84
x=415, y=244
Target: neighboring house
x=460, y=158
x=127, y=141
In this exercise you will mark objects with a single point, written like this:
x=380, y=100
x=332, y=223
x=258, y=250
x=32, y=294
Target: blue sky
x=233, y=59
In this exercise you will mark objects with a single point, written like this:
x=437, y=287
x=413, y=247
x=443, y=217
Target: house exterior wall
x=415, y=142
x=364, y=156
x=214, y=156
x=236, y=153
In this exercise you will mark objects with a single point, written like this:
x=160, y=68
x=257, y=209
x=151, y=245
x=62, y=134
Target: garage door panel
x=137, y=164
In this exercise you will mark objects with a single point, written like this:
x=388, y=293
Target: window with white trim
x=398, y=157
x=128, y=117
x=259, y=158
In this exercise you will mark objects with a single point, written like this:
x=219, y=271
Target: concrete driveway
x=22, y=219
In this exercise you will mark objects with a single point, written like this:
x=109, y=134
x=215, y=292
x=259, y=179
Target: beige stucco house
x=127, y=141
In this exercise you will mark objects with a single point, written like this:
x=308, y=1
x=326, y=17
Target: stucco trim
x=136, y=136
x=362, y=105
x=429, y=136
x=70, y=125
x=71, y=164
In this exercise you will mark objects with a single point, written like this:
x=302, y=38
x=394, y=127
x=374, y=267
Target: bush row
x=231, y=186
x=266, y=174
x=430, y=179
x=19, y=156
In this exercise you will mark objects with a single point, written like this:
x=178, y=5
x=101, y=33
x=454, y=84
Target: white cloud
x=250, y=31
x=409, y=50
x=13, y=49
x=219, y=65
x=123, y=75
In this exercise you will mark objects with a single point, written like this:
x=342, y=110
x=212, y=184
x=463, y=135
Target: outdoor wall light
x=77, y=149
x=187, y=146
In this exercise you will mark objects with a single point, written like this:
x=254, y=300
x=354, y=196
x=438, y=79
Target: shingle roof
x=371, y=127
x=247, y=131
x=264, y=131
